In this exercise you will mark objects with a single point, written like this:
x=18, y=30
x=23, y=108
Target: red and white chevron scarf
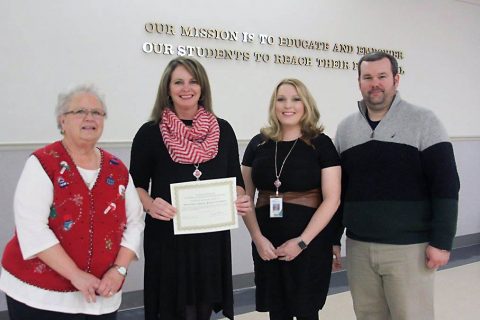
x=195, y=144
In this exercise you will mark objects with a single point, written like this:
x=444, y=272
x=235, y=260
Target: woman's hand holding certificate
x=205, y=206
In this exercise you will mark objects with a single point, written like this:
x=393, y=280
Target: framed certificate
x=204, y=206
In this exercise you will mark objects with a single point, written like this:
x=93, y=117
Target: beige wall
x=51, y=44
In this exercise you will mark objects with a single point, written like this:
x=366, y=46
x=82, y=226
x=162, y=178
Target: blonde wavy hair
x=309, y=123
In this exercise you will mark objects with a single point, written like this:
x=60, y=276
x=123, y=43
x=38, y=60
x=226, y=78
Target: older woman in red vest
x=79, y=222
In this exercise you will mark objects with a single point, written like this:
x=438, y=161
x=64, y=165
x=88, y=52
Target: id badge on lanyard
x=276, y=201
x=276, y=206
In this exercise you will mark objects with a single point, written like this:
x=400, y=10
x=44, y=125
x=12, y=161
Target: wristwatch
x=122, y=270
x=302, y=244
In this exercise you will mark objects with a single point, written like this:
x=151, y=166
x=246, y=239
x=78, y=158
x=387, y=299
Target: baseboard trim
x=466, y=240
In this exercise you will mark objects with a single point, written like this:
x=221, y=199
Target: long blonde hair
x=309, y=123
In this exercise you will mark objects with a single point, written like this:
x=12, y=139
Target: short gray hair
x=65, y=98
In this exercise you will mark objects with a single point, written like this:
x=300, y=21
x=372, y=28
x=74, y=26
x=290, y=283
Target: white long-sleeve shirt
x=32, y=201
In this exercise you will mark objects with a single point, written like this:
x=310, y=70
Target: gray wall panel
x=12, y=159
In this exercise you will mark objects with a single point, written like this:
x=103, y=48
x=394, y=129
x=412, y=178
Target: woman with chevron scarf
x=190, y=275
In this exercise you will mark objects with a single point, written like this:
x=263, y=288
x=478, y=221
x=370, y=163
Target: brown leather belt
x=310, y=198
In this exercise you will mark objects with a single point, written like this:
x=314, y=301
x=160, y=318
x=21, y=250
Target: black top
x=298, y=287
x=373, y=124
x=151, y=162
x=183, y=270
x=301, y=171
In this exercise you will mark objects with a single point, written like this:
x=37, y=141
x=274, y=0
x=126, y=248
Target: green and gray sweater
x=400, y=182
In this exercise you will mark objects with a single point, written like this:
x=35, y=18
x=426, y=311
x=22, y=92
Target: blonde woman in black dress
x=296, y=170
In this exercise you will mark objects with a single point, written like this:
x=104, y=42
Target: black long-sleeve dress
x=183, y=270
x=298, y=287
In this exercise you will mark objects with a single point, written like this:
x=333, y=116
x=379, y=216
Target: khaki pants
x=390, y=282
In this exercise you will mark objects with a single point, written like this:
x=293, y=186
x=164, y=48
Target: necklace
x=277, y=183
x=197, y=173
x=92, y=161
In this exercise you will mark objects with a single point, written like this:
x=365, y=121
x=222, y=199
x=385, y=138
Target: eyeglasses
x=82, y=113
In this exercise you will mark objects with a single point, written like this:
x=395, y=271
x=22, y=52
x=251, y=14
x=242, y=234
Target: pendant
x=277, y=183
x=197, y=173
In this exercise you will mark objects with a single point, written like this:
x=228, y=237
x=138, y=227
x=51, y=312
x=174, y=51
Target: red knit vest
x=88, y=223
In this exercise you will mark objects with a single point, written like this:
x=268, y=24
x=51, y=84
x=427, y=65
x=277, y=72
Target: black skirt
x=298, y=287
x=186, y=270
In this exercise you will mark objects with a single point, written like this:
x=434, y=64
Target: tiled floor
x=457, y=298
x=457, y=292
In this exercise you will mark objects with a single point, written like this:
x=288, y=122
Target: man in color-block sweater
x=400, y=197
